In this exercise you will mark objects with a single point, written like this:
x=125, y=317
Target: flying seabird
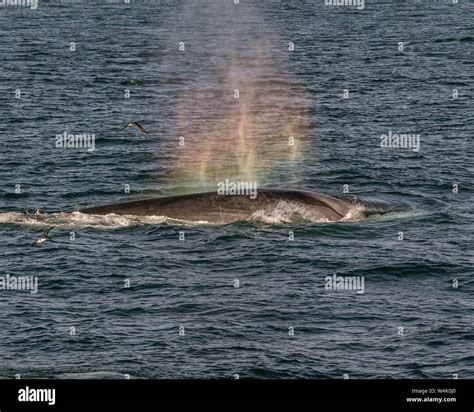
x=44, y=238
x=137, y=125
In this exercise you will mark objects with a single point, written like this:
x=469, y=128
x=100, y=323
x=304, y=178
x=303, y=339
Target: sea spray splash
x=242, y=113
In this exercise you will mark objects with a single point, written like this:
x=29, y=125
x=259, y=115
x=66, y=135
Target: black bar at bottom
x=431, y=394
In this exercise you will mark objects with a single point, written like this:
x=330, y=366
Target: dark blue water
x=190, y=283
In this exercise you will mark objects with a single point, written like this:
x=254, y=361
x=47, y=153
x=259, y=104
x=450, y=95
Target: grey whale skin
x=222, y=209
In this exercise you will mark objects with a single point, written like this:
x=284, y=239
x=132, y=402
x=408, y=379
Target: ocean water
x=175, y=66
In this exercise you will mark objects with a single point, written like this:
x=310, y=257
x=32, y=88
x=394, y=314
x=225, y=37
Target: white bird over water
x=44, y=238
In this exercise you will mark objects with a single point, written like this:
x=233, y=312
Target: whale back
x=215, y=208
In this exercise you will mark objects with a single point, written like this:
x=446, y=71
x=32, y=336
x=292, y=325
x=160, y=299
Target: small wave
x=94, y=375
x=406, y=214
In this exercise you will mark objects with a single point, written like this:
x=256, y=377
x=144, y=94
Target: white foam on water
x=355, y=212
x=78, y=220
x=291, y=212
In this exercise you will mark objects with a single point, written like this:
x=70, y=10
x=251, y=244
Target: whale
x=213, y=207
